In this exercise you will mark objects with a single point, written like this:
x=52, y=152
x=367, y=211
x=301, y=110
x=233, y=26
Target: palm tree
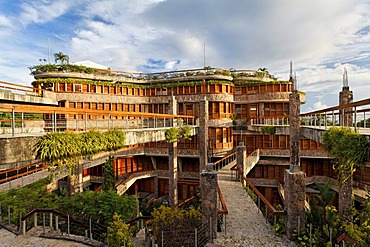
x=350, y=150
x=63, y=58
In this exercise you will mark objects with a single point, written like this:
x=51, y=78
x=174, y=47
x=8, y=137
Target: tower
x=294, y=180
x=345, y=97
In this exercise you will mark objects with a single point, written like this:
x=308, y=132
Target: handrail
x=268, y=204
x=17, y=85
x=220, y=161
x=223, y=203
x=20, y=167
x=183, y=202
x=36, y=169
x=60, y=110
x=65, y=216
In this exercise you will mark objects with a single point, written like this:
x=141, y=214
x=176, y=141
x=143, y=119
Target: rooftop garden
x=65, y=67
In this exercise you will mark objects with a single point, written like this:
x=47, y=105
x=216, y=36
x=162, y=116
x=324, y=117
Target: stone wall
x=17, y=149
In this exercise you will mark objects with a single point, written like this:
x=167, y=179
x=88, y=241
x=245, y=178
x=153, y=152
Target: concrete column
x=173, y=174
x=208, y=192
x=294, y=181
x=57, y=222
x=241, y=154
x=203, y=133
x=35, y=219
x=80, y=183
x=156, y=188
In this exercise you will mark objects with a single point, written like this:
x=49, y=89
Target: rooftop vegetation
x=66, y=67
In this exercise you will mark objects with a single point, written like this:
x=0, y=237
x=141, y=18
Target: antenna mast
x=48, y=50
x=204, y=54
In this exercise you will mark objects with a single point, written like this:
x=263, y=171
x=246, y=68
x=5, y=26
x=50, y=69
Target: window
x=78, y=88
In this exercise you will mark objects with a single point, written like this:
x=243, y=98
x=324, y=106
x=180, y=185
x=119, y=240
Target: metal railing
x=271, y=214
x=224, y=161
x=17, y=172
x=355, y=115
x=15, y=119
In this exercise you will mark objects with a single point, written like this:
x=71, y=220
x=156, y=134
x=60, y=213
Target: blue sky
x=321, y=37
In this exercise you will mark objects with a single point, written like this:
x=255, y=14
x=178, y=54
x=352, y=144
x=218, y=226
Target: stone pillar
x=294, y=190
x=173, y=174
x=345, y=200
x=345, y=115
x=294, y=180
x=294, y=128
x=208, y=192
x=172, y=106
x=203, y=133
x=241, y=154
x=172, y=159
x=261, y=109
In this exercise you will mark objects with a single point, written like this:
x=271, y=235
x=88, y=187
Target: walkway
x=246, y=226
x=8, y=239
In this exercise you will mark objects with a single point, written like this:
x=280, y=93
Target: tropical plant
x=63, y=149
x=109, y=182
x=268, y=130
x=166, y=218
x=119, y=233
x=175, y=133
x=60, y=56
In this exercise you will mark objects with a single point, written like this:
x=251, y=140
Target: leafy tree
x=363, y=122
x=60, y=56
x=350, y=150
x=109, y=179
x=167, y=218
x=119, y=233
x=100, y=206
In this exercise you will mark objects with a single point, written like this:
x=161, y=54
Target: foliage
x=100, y=206
x=318, y=203
x=119, y=233
x=268, y=130
x=349, y=148
x=363, y=122
x=27, y=198
x=63, y=58
x=251, y=193
x=166, y=218
x=17, y=116
x=172, y=134
x=175, y=133
x=44, y=68
x=64, y=149
x=279, y=227
x=109, y=182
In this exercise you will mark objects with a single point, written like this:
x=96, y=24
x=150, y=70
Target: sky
x=320, y=37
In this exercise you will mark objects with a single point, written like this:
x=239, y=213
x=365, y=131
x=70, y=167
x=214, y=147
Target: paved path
x=246, y=226
x=8, y=239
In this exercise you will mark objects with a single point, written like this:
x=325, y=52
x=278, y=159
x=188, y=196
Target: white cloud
x=42, y=12
x=5, y=22
x=321, y=37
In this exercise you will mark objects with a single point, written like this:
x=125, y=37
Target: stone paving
x=246, y=226
x=8, y=239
